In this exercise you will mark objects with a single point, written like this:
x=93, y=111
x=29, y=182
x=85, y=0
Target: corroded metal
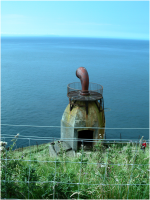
x=82, y=74
x=84, y=91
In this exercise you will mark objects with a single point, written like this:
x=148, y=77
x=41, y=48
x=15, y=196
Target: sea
x=35, y=72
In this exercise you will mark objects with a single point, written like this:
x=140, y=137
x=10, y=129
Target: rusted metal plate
x=76, y=95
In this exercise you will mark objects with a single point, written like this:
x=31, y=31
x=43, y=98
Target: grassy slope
x=34, y=171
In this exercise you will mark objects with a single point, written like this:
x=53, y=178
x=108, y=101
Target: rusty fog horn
x=82, y=74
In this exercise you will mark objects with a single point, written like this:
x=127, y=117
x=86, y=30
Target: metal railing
x=95, y=90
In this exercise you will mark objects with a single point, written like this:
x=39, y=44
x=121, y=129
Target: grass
x=104, y=173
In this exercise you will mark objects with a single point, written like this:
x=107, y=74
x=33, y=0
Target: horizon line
x=70, y=36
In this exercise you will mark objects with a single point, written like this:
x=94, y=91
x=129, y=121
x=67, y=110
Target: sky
x=106, y=19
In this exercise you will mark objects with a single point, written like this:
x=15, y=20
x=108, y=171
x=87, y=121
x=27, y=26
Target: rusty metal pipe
x=82, y=74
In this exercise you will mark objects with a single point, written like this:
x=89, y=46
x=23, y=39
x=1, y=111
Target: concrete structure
x=84, y=110
x=59, y=147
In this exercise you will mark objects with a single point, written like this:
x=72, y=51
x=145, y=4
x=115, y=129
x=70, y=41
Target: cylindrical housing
x=82, y=74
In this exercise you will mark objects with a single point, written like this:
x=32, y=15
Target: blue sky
x=110, y=19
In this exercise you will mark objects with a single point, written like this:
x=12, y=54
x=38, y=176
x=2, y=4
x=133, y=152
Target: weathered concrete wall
x=67, y=131
x=77, y=118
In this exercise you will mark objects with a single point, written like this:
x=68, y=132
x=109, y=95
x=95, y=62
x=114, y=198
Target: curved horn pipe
x=82, y=74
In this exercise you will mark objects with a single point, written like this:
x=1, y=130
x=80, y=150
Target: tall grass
x=104, y=173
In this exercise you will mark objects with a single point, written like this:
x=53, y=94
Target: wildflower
x=22, y=157
x=1, y=148
x=143, y=145
x=17, y=135
x=3, y=143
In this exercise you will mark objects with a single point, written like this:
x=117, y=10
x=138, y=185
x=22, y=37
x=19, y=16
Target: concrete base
x=58, y=147
x=76, y=118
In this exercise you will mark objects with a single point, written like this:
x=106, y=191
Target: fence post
x=120, y=139
x=139, y=139
x=37, y=146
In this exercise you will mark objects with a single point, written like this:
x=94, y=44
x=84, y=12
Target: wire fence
x=83, y=159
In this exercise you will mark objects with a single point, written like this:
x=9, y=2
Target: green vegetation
x=32, y=173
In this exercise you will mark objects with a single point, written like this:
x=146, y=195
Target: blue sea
x=35, y=72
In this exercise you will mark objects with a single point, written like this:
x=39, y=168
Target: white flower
x=17, y=135
x=3, y=143
x=1, y=148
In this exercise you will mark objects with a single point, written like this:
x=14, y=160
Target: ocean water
x=35, y=72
